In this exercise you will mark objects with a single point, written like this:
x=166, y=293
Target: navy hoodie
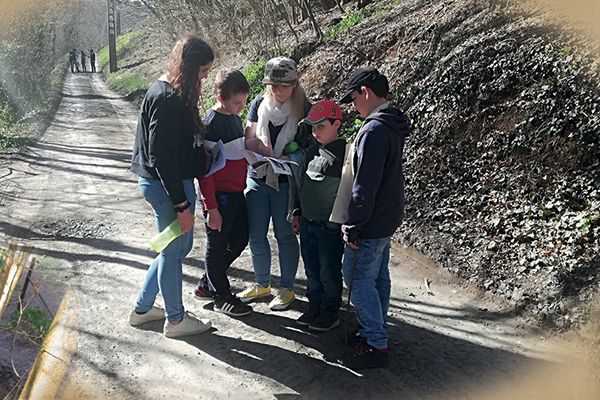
x=376, y=208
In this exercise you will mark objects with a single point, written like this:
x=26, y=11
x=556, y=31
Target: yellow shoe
x=284, y=298
x=256, y=291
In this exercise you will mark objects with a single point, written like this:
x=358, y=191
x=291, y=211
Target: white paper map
x=280, y=167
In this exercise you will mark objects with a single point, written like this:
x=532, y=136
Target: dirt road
x=71, y=196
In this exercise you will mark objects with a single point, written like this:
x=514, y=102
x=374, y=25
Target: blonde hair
x=298, y=99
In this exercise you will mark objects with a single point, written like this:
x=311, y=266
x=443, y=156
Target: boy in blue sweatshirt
x=375, y=211
x=321, y=242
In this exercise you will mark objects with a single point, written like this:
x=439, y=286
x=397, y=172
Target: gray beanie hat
x=280, y=71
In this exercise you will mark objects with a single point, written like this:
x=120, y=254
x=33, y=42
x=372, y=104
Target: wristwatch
x=185, y=206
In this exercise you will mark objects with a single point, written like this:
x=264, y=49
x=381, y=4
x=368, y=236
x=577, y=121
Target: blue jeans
x=165, y=272
x=265, y=203
x=322, y=249
x=371, y=287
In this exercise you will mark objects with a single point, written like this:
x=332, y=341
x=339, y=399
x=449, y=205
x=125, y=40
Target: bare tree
x=311, y=17
x=254, y=25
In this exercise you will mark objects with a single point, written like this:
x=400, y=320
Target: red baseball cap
x=323, y=110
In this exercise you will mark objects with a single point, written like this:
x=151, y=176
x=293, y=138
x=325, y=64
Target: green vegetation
x=127, y=82
x=11, y=129
x=254, y=74
x=102, y=56
x=123, y=42
x=123, y=80
x=350, y=130
x=207, y=102
x=372, y=10
x=345, y=24
x=32, y=322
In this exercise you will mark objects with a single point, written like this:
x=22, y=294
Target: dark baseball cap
x=367, y=77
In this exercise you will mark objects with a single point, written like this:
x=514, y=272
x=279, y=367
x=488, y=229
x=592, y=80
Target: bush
x=254, y=73
x=10, y=129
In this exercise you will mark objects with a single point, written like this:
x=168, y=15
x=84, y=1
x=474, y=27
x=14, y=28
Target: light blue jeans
x=265, y=203
x=165, y=272
x=368, y=270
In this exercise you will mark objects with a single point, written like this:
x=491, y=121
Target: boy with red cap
x=321, y=241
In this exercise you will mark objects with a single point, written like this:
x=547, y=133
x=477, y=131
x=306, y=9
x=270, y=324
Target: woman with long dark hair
x=167, y=156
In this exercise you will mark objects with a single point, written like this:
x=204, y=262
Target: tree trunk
x=287, y=20
x=313, y=22
x=364, y=3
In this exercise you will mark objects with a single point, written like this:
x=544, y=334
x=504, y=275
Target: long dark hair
x=188, y=55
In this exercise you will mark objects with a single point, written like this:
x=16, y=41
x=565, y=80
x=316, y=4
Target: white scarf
x=270, y=110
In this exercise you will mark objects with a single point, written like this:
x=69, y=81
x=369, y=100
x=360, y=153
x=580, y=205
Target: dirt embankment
x=503, y=182
x=503, y=167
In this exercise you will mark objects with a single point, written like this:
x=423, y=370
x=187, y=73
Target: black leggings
x=222, y=248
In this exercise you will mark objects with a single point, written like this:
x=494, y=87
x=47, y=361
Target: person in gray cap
x=375, y=211
x=272, y=128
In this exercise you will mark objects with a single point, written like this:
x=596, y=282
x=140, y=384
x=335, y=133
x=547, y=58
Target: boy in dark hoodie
x=375, y=211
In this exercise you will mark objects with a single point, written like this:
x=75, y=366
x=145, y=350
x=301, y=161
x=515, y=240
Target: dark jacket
x=321, y=177
x=377, y=205
x=167, y=146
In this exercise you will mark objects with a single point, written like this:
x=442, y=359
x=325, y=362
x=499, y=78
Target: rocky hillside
x=503, y=167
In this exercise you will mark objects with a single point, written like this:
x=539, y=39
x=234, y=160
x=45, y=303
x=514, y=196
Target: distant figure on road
x=82, y=58
x=73, y=61
x=93, y=60
x=375, y=211
x=168, y=154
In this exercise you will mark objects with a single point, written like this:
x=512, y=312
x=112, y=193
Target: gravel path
x=71, y=196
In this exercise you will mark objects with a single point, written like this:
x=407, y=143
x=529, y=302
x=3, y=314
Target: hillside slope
x=503, y=182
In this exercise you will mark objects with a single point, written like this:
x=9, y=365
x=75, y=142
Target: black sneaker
x=308, y=317
x=325, y=322
x=363, y=356
x=232, y=306
x=202, y=292
x=354, y=337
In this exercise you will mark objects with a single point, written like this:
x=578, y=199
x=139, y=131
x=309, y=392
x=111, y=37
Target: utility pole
x=112, y=37
x=118, y=22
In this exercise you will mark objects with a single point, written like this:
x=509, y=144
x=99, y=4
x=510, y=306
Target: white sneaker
x=284, y=298
x=190, y=325
x=155, y=314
